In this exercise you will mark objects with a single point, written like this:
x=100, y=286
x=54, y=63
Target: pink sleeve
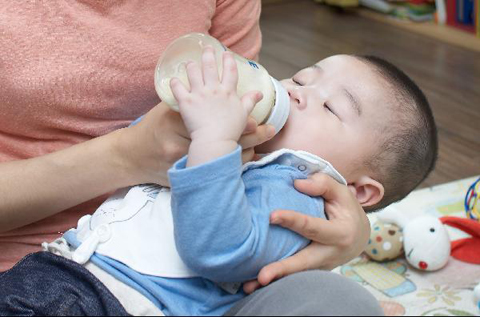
x=237, y=25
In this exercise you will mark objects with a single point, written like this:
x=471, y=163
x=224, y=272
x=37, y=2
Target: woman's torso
x=74, y=70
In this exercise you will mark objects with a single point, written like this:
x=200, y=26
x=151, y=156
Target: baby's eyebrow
x=354, y=102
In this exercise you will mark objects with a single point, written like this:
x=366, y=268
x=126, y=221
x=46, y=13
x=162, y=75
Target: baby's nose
x=295, y=97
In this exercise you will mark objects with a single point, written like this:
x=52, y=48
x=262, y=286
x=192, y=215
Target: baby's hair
x=408, y=149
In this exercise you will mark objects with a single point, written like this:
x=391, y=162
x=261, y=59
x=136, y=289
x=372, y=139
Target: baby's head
x=368, y=119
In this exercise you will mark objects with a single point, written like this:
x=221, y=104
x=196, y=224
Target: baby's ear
x=368, y=191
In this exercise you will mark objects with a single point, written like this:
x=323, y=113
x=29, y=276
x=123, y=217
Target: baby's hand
x=212, y=111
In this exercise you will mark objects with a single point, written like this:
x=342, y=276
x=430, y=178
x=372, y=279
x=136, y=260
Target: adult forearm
x=37, y=188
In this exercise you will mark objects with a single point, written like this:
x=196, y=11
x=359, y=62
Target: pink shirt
x=74, y=70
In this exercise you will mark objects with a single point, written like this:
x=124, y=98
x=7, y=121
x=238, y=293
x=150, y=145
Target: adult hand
x=151, y=147
x=252, y=136
x=334, y=242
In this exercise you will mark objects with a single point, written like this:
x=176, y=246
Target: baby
x=187, y=249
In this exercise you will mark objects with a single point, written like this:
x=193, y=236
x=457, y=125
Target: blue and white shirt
x=188, y=249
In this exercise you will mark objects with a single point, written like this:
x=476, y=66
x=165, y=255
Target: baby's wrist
x=202, y=151
x=213, y=145
x=212, y=137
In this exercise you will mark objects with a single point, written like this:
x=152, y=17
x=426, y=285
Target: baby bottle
x=273, y=109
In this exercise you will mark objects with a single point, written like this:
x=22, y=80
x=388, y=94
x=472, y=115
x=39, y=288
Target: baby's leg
x=313, y=293
x=45, y=284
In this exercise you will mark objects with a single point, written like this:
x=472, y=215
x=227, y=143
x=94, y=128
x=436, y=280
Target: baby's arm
x=222, y=227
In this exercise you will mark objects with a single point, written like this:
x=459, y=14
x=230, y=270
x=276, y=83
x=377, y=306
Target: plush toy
x=472, y=202
x=425, y=239
x=386, y=242
x=426, y=242
x=468, y=249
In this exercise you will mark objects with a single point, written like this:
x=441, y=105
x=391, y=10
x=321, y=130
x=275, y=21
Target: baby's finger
x=209, y=66
x=230, y=72
x=261, y=135
x=180, y=92
x=194, y=75
x=250, y=99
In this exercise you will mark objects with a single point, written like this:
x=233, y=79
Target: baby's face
x=335, y=107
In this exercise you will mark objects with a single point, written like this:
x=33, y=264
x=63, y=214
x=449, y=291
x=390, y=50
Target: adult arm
x=37, y=188
x=335, y=242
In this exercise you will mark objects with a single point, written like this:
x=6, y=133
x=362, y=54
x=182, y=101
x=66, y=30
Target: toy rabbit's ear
x=392, y=215
x=472, y=227
x=466, y=250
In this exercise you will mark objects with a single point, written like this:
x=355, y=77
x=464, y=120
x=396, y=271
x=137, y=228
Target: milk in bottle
x=273, y=109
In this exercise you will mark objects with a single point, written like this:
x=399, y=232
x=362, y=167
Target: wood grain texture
x=298, y=33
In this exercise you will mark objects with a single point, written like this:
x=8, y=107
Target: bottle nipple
x=281, y=109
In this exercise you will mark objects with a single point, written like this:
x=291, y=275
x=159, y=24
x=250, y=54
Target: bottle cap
x=281, y=109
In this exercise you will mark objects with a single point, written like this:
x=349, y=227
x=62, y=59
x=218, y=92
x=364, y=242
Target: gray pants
x=314, y=293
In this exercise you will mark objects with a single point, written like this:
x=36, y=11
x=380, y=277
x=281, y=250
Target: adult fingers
x=340, y=202
x=230, y=72
x=320, y=184
x=209, y=66
x=315, y=229
x=251, y=286
x=294, y=264
x=261, y=135
x=248, y=155
x=348, y=220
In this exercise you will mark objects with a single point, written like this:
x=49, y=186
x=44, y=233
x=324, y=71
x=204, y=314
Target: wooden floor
x=298, y=33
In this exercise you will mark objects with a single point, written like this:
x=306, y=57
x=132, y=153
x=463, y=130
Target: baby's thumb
x=250, y=99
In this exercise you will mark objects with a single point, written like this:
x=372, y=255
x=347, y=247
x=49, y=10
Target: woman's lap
x=313, y=293
x=45, y=284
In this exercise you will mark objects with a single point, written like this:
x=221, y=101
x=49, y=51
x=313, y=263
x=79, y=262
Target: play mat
x=404, y=290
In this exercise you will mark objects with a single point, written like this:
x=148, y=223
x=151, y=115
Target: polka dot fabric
x=386, y=242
